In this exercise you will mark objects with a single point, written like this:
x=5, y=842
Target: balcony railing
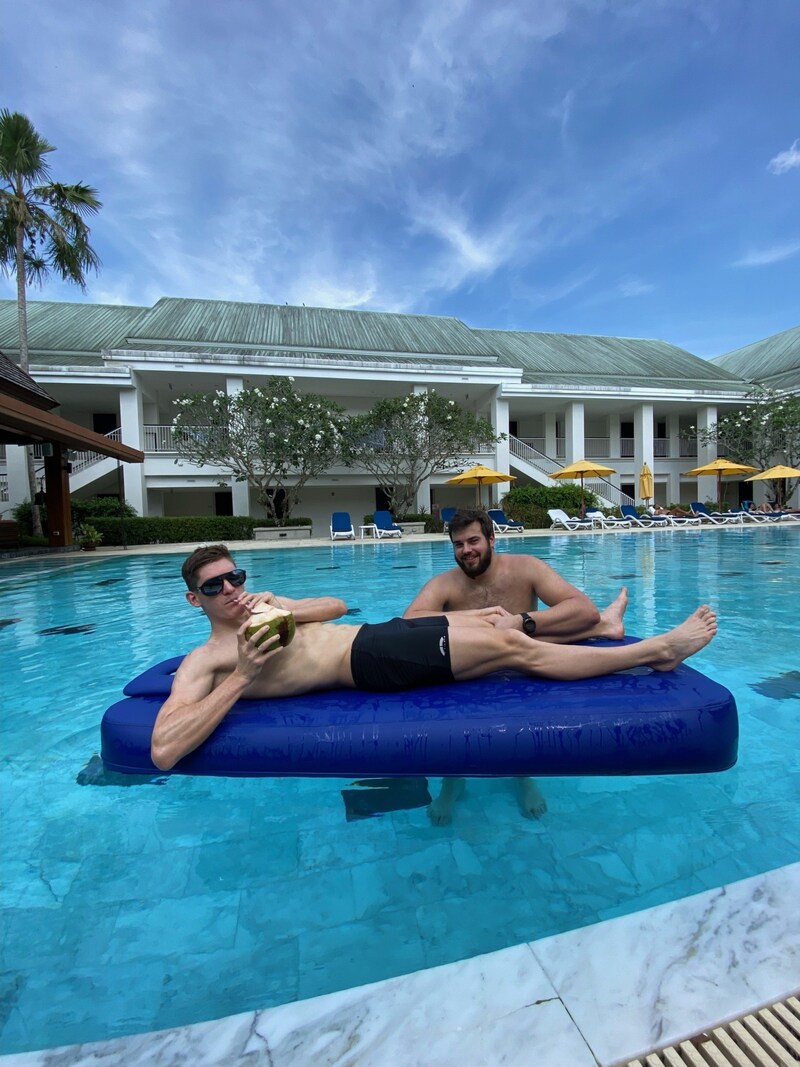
x=596, y=447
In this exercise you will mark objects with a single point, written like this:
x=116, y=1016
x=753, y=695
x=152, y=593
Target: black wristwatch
x=528, y=624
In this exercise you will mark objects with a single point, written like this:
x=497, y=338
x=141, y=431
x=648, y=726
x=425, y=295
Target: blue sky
x=625, y=167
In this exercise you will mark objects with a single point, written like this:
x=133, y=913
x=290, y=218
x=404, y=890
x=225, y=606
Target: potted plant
x=89, y=537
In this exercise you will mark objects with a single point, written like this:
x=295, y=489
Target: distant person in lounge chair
x=384, y=657
x=508, y=587
x=677, y=512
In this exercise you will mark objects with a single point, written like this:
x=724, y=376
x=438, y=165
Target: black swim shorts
x=401, y=654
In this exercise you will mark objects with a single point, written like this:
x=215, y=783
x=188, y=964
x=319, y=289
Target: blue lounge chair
x=385, y=526
x=559, y=517
x=718, y=518
x=502, y=524
x=447, y=516
x=341, y=526
x=648, y=522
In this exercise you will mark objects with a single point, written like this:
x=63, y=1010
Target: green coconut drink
x=268, y=621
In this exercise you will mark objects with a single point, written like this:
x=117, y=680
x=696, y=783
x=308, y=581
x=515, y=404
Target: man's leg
x=475, y=653
x=440, y=810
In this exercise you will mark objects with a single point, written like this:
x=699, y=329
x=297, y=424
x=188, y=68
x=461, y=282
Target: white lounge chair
x=608, y=522
x=718, y=518
x=559, y=518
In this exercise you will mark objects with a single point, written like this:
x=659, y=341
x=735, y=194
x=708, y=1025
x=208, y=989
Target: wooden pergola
x=26, y=418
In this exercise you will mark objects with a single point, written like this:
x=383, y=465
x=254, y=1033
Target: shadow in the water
x=780, y=687
x=8, y=622
x=95, y=773
x=87, y=628
x=376, y=796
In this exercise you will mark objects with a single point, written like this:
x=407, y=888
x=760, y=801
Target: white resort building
x=558, y=397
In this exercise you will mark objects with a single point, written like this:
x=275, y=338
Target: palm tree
x=42, y=228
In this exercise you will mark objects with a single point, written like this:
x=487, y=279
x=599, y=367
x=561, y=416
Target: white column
x=643, y=438
x=706, y=486
x=499, y=418
x=132, y=431
x=574, y=432
x=550, y=435
x=614, y=446
x=674, y=478
x=17, y=471
x=240, y=491
x=422, y=502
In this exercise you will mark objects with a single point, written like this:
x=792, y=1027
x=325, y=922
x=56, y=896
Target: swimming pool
x=137, y=907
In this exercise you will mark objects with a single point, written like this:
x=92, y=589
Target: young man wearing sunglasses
x=384, y=657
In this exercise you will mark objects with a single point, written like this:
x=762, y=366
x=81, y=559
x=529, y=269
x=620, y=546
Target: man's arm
x=434, y=599
x=569, y=611
x=194, y=708
x=307, y=609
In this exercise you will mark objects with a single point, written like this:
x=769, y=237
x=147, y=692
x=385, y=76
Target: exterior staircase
x=538, y=467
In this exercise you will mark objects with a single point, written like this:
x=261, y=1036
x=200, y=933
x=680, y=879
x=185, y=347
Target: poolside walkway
x=602, y=995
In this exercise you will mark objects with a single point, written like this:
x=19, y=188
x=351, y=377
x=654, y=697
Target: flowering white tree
x=273, y=438
x=404, y=440
x=764, y=433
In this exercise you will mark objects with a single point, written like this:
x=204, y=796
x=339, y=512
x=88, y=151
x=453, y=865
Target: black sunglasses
x=213, y=587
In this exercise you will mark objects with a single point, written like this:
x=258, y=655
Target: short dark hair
x=465, y=517
x=193, y=564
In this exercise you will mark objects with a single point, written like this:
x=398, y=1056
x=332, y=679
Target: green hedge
x=528, y=504
x=158, y=530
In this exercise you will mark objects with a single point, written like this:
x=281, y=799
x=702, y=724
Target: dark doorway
x=512, y=427
x=381, y=500
x=104, y=422
x=223, y=502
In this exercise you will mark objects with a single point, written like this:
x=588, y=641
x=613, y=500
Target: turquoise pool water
x=138, y=907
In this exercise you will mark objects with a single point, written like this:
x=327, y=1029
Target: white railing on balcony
x=596, y=447
x=3, y=489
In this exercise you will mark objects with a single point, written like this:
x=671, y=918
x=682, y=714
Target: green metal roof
x=775, y=361
x=225, y=323
x=614, y=361
x=76, y=334
x=58, y=330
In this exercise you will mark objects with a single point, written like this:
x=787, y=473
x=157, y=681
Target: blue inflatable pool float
x=635, y=722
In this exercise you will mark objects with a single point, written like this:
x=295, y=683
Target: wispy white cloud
x=784, y=161
x=763, y=257
x=634, y=287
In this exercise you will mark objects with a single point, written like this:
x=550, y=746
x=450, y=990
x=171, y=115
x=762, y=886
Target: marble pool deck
x=599, y=995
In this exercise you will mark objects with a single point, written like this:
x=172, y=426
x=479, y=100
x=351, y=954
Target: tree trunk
x=22, y=317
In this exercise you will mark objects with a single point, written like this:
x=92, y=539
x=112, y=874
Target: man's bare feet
x=531, y=799
x=612, y=618
x=440, y=810
x=694, y=633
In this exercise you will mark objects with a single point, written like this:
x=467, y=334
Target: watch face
x=528, y=624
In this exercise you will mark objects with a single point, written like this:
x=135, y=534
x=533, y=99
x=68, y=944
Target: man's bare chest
x=511, y=594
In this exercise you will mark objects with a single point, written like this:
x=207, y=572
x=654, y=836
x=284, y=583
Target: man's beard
x=479, y=567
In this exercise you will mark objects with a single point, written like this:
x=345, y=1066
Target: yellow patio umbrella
x=480, y=475
x=720, y=467
x=775, y=474
x=583, y=468
x=645, y=483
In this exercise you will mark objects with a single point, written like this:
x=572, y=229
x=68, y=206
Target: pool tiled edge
x=601, y=994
